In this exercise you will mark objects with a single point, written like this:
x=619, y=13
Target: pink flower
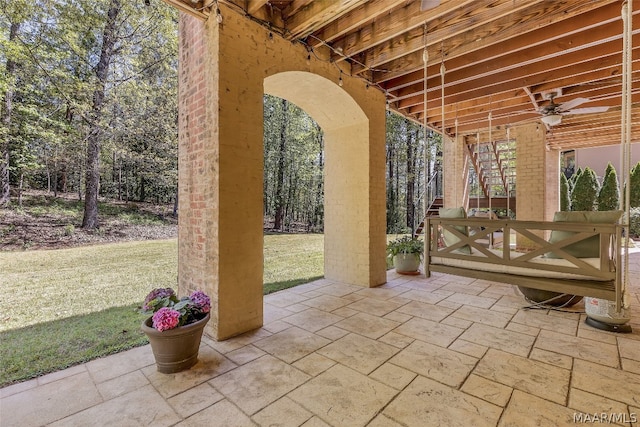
x=201, y=301
x=165, y=319
x=155, y=295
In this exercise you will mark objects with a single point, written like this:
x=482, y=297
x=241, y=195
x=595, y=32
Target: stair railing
x=430, y=192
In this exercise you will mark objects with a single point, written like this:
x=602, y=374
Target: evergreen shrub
x=565, y=197
x=634, y=198
x=609, y=195
x=584, y=196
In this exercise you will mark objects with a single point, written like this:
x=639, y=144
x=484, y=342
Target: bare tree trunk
x=142, y=189
x=90, y=220
x=80, y=185
x=5, y=194
x=120, y=180
x=280, y=175
x=319, y=202
x=55, y=181
x=410, y=183
x=48, y=178
x=175, y=204
x=20, y=189
x=114, y=168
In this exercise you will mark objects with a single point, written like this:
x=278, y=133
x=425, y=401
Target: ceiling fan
x=552, y=113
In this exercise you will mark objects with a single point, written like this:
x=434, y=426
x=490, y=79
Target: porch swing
x=583, y=256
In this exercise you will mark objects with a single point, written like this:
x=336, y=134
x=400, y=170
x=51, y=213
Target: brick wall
x=455, y=173
x=537, y=177
x=193, y=137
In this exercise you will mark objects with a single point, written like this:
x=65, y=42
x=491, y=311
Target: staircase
x=491, y=162
x=437, y=203
x=433, y=195
x=494, y=167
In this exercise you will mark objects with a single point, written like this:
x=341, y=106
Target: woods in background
x=294, y=169
x=89, y=100
x=411, y=162
x=89, y=106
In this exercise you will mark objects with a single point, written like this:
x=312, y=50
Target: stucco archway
x=225, y=70
x=346, y=130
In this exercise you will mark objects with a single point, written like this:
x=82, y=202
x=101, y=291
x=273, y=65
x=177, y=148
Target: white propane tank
x=604, y=311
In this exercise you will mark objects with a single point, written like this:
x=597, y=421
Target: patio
x=443, y=351
x=414, y=351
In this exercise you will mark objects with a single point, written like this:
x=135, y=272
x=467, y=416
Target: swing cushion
x=589, y=247
x=449, y=237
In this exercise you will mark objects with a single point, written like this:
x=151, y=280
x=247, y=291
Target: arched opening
x=293, y=196
x=346, y=130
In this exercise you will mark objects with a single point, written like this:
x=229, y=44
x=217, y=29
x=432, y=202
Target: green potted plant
x=175, y=327
x=406, y=253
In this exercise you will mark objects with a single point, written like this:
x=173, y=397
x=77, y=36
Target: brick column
x=220, y=175
x=537, y=176
x=454, y=173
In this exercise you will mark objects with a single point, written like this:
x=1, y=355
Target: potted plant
x=406, y=254
x=175, y=327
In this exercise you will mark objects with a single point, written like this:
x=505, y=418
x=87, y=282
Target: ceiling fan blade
x=573, y=103
x=587, y=110
x=428, y=4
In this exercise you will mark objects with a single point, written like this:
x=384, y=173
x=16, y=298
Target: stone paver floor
x=442, y=351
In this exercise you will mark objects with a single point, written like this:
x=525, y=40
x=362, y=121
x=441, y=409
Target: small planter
x=176, y=349
x=407, y=263
x=406, y=253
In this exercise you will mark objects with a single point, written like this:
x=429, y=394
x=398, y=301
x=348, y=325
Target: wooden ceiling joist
x=500, y=57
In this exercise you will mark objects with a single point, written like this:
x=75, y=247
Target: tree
x=413, y=135
x=565, y=196
x=49, y=77
x=574, y=178
x=609, y=195
x=395, y=131
x=92, y=180
x=5, y=156
x=409, y=158
x=634, y=189
x=293, y=167
x=584, y=196
x=279, y=199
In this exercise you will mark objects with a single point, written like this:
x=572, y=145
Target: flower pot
x=406, y=263
x=176, y=349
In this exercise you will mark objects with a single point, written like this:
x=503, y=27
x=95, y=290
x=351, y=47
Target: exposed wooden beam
x=294, y=7
x=391, y=25
x=485, y=35
x=198, y=10
x=353, y=20
x=589, y=122
x=317, y=14
x=547, y=71
x=552, y=40
x=253, y=6
x=595, y=138
x=499, y=55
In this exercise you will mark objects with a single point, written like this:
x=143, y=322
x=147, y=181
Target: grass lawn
x=64, y=307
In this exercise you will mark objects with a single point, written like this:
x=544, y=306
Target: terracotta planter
x=175, y=350
x=407, y=263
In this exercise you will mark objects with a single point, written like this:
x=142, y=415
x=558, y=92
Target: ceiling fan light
x=551, y=119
